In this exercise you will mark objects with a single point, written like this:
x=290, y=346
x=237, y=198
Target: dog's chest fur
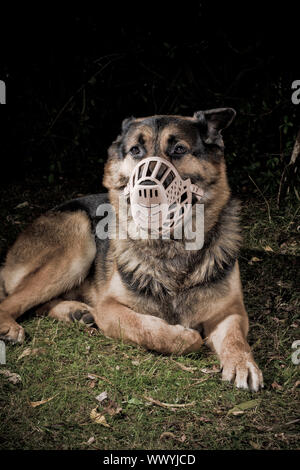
x=164, y=278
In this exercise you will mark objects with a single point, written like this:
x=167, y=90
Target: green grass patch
x=74, y=364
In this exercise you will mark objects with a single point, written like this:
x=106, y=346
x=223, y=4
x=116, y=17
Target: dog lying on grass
x=151, y=291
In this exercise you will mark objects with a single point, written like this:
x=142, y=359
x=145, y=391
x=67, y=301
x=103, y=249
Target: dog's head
x=194, y=146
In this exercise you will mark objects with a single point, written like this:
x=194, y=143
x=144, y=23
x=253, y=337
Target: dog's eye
x=136, y=151
x=179, y=149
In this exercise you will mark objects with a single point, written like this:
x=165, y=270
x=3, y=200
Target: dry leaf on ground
x=242, y=407
x=112, y=409
x=296, y=384
x=203, y=419
x=31, y=352
x=102, y=396
x=276, y=386
x=91, y=440
x=135, y=401
x=11, y=376
x=253, y=444
x=98, y=418
x=171, y=435
x=34, y=404
x=22, y=204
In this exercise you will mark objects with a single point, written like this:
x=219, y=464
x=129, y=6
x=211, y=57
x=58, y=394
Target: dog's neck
x=167, y=262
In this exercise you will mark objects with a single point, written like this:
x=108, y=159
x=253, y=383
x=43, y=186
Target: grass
x=68, y=356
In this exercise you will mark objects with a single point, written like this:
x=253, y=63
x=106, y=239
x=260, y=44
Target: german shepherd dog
x=151, y=292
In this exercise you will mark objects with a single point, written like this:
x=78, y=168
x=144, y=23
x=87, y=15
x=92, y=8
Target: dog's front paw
x=83, y=316
x=187, y=340
x=242, y=369
x=10, y=330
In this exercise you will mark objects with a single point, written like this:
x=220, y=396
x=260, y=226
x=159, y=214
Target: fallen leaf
x=135, y=363
x=241, y=407
x=268, y=248
x=92, y=376
x=296, y=384
x=22, y=204
x=91, y=440
x=285, y=285
x=91, y=331
x=41, y=402
x=98, y=418
x=168, y=405
x=11, y=376
x=112, y=409
x=203, y=419
x=255, y=445
x=182, y=438
x=31, y=352
x=26, y=352
x=276, y=386
x=135, y=401
x=102, y=396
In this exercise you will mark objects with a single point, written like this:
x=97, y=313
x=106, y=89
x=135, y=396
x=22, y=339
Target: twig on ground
x=267, y=204
x=168, y=405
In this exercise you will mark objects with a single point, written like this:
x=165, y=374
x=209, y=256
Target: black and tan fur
x=151, y=292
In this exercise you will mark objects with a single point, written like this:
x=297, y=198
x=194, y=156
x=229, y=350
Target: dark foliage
x=73, y=77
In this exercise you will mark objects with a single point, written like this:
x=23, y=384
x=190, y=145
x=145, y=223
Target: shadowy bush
x=72, y=81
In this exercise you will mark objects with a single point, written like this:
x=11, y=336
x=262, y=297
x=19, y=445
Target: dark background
x=73, y=76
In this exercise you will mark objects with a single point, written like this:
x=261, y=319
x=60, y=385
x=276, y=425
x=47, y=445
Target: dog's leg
x=68, y=311
x=118, y=321
x=48, y=259
x=2, y=288
x=228, y=338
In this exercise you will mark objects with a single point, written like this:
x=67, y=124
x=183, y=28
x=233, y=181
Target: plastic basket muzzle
x=159, y=198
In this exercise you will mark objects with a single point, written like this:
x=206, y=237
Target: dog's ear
x=212, y=122
x=126, y=123
x=115, y=148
